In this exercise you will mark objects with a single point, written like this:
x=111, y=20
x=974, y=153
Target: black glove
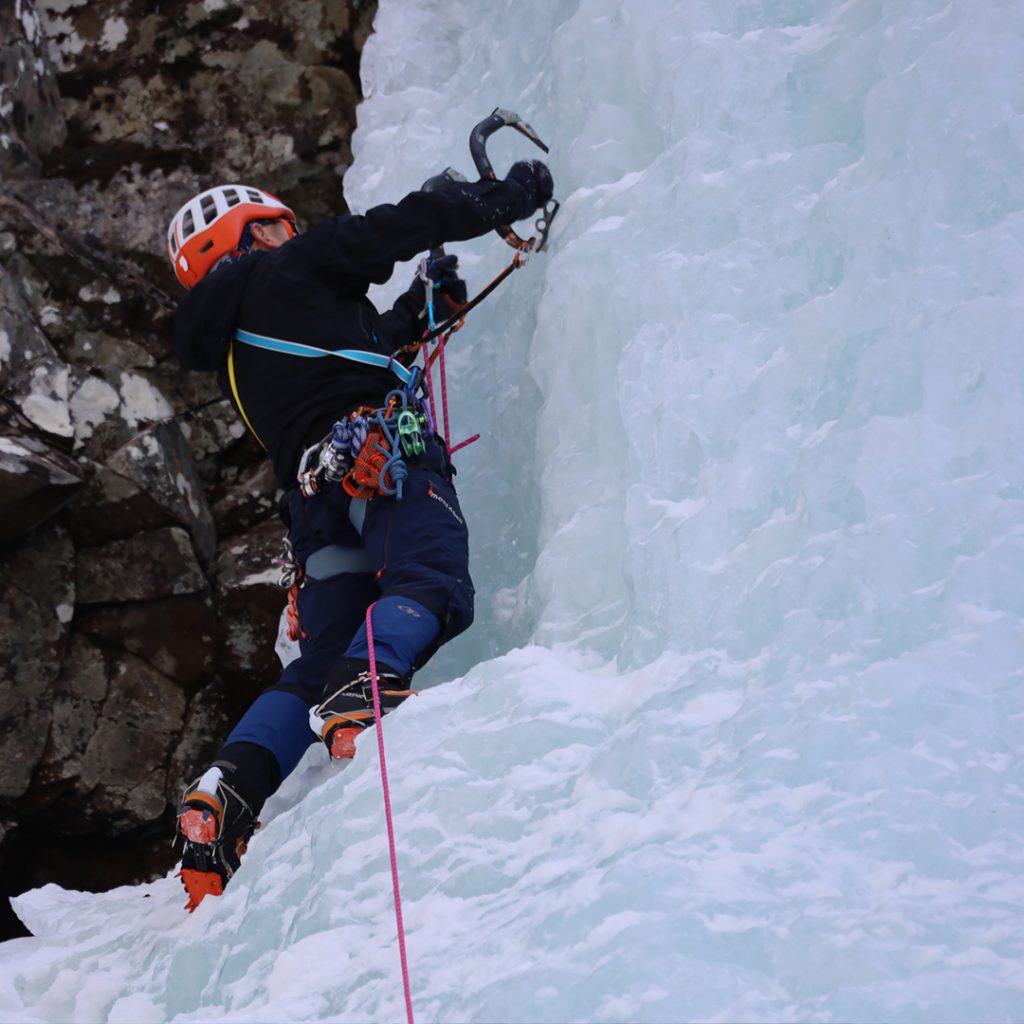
x=444, y=272
x=534, y=179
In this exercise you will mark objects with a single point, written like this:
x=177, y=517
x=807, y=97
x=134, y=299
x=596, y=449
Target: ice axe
x=478, y=137
x=499, y=118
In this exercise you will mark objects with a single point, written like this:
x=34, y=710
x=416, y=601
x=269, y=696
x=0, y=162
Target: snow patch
x=48, y=413
x=977, y=616
x=115, y=32
x=267, y=576
x=29, y=23
x=142, y=402
x=10, y=446
x=49, y=316
x=91, y=404
x=95, y=293
x=186, y=490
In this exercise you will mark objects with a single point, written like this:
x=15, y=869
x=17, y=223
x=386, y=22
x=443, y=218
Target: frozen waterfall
x=738, y=734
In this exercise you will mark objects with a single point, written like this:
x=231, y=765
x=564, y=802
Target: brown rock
x=159, y=463
x=211, y=715
x=35, y=482
x=111, y=507
x=145, y=567
x=79, y=696
x=34, y=380
x=249, y=604
x=128, y=754
x=30, y=119
x=148, y=115
x=249, y=501
x=36, y=605
x=176, y=635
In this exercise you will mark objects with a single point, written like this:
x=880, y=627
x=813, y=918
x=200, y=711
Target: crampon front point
x=199, y=884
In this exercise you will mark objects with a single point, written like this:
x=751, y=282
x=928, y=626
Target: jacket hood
x=205, y=319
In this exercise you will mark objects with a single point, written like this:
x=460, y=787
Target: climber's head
x=227, y=220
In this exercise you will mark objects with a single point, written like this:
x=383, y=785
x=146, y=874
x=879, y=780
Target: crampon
x=344, y=714
x=215, y=825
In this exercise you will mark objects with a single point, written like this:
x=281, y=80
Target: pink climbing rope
x=387, y=814
x=444, y=386
x=439, y=352
x=462, y=444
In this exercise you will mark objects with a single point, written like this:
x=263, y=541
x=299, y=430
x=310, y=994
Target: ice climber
x=255, y=284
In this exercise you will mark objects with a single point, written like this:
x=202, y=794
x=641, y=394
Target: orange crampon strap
x=201, y=824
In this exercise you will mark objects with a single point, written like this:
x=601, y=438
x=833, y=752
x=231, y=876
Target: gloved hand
x=444, y=272
x=534, y=178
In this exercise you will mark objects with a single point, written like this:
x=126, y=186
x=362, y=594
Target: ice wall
x=749, y=490
x=764, y=394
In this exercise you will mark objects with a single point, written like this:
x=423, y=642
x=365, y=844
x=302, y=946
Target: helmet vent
x=207, y=247
x=254, y=195
x=188, y=225
x=209, y=208
x=233, y=198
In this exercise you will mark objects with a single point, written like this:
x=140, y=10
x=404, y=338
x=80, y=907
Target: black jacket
x=313, y=290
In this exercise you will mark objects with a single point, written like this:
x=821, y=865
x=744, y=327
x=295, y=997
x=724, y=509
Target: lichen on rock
x=119, y=472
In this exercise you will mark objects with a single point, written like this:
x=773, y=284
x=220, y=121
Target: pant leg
x=420, y=549
x=331, y=610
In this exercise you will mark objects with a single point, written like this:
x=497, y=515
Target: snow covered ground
x=738, y=733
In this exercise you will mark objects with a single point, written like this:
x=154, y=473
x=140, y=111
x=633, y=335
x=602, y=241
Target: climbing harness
x=367, y=452
x=298, y=348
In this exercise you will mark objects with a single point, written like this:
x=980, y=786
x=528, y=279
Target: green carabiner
x=409, y=435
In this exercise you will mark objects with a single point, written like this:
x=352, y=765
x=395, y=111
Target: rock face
x=137, y=521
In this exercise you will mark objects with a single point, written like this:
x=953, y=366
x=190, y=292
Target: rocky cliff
x=137, y=521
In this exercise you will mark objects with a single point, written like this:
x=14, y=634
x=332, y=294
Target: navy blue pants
x=410, y=556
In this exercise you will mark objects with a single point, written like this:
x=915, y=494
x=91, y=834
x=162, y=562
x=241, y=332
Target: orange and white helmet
x=210, y=226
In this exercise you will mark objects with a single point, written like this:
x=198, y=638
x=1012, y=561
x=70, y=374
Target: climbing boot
x=215, y=823
x=347, y=707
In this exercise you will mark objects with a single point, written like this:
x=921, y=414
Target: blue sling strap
x=297, y=348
